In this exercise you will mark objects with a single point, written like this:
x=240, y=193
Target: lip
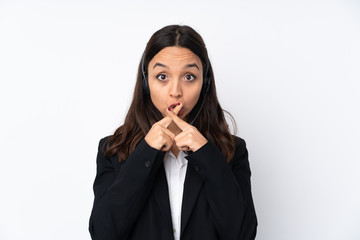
x=174, y=105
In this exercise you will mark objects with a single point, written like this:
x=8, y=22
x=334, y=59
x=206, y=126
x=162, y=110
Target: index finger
x=165, y=122
x=178, y=121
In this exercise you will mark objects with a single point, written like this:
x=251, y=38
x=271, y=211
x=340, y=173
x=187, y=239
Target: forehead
x=175, y=56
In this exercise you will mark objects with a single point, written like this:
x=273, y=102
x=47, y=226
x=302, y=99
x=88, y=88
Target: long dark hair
x=143, y=114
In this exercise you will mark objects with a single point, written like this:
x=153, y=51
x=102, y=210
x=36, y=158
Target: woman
x=173, y=170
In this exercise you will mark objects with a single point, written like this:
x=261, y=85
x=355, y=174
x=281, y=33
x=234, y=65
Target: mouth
x=174, y=105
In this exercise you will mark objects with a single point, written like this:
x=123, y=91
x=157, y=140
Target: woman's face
x=175, y=76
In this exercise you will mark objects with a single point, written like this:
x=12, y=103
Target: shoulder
x=103, y=161
x=241, y=153
x=105, y=139
x=240, y=143
x=103, y=146
x=103, y=143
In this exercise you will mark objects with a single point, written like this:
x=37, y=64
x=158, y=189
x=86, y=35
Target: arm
x=121, y=191
x=228, y=189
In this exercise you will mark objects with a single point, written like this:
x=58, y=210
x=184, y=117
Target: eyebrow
x=187, y=66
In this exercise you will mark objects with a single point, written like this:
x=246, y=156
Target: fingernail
x=178, y=104
x=169, y=109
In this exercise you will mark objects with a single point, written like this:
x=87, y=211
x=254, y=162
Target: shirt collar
x=180, y=158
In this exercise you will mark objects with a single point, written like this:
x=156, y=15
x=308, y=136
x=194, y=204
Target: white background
x=287, y=70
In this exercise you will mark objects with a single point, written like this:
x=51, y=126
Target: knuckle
x=161, y=138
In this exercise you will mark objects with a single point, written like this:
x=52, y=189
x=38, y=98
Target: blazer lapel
x=192, y=186
x=161, y=193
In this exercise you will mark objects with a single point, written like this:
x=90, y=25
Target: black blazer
x=132, y=199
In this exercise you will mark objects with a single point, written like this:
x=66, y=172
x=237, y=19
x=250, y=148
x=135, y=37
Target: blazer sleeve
x=227, y=186
x=121, y=190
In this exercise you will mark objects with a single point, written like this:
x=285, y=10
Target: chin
x=185, y=117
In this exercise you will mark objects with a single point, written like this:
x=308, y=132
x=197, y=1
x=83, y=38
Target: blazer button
x=147, y=163
x=196, y=168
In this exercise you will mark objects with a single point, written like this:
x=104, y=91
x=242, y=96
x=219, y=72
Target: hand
x=190, y=138
x=159, y=137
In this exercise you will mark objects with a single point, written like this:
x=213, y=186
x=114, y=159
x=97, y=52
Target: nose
x=175, y=89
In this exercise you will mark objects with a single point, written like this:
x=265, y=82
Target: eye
x=190, y=77
x=161, y=77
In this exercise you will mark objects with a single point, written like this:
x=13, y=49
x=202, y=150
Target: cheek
x=193, y=98
x=157, y=97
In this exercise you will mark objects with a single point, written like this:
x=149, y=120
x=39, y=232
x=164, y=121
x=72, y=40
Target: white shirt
x=175, y=169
